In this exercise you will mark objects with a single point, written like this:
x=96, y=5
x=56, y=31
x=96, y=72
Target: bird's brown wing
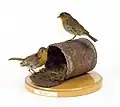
x=32, y=59
x=78, y=27
x=76, y=24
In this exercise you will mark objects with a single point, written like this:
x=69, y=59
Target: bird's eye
x=41, y=50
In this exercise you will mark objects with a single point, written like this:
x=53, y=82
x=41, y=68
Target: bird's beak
x=58, y=17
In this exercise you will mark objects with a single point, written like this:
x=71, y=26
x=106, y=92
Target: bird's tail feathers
x=19, y=59
x=91, y=37
x=94, y=39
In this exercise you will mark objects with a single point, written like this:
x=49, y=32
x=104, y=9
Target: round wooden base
x=77, y=86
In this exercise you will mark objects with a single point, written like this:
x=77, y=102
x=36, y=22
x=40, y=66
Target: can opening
x=55, y=69
x=55, y=58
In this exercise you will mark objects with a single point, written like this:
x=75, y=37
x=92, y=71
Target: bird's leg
x=33, y=70
x=30, y=71
x=72, y=38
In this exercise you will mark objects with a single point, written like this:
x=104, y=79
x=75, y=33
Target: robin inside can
x=72, y=26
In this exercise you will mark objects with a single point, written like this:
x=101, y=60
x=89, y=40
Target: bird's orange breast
x=64, y=20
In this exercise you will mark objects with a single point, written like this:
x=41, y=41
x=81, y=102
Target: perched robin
x=72, y=26
x=35, y=60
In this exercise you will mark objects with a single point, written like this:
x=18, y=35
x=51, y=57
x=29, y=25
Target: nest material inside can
x=55, y=69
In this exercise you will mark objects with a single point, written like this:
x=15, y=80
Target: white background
x=26, y=25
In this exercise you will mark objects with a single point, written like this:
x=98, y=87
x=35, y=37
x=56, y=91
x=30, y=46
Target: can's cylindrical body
x=80, y=56
x=74, y=58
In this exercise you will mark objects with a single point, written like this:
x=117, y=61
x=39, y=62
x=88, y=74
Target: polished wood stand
x=77, y=86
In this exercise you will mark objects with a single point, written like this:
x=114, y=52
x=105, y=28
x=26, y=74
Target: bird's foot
x=69, y=40
x=30, y=70
x=33, y=71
